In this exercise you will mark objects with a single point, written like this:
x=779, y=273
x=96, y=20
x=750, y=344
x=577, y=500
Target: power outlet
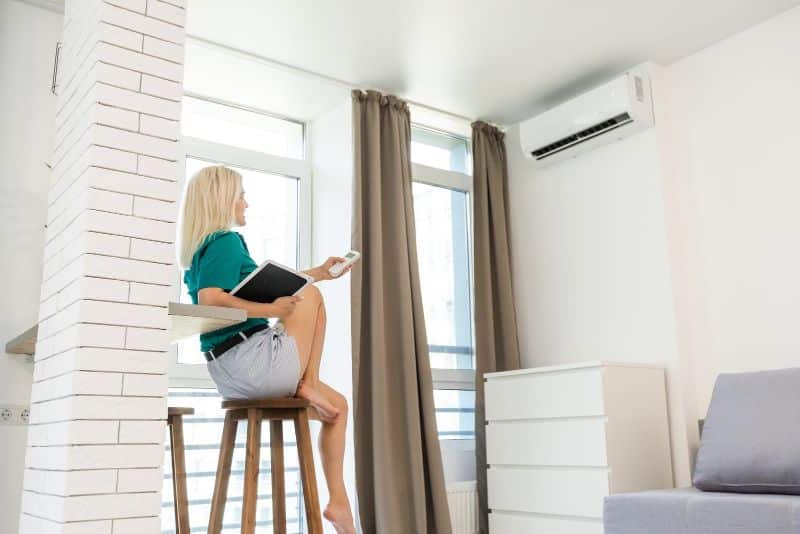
x=7, y=415
x=14, y=414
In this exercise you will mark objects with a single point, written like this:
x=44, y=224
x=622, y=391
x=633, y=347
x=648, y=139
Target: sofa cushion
x=751, y=435
x=653, y=512
x=690, y=511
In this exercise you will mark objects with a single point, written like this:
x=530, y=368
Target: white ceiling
x=499, y=60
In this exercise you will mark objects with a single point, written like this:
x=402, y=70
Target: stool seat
x=275, y=410
x=282, y=402
x=179, y=410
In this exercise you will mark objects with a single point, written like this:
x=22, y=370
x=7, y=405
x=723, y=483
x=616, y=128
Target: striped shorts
x=267, y=364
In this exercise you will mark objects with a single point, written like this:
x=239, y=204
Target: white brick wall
x=30, y=523
x=72, y=482
x=98, y=403
x=141, y=431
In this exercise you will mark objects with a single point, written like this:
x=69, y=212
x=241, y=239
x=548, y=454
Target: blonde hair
x=208, y=206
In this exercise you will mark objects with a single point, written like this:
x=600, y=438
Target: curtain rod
x=309, y=73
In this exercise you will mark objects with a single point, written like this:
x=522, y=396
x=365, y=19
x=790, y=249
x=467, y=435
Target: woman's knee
x=311, y=292
x=340, y=401
x=306, y=310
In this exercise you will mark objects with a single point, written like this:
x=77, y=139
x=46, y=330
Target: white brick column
x=98, y=404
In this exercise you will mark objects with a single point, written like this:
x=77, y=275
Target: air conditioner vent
x=620, y=108
x=581, y=136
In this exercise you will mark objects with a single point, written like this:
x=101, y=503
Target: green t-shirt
x=222, y=260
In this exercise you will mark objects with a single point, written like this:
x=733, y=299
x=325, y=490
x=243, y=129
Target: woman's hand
x=321, y=272
x=283, y=307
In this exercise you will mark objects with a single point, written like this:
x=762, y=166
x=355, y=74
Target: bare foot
x=327, y=411
x=340, y=517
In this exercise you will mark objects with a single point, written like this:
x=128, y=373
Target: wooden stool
x=175, y=422
x=275, y=410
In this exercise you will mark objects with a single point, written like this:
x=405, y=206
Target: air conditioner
x=608, y=113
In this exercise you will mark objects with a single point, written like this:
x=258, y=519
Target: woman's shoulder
x=221, y=241
x=222, y=236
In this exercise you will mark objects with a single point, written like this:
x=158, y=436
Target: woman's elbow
x=211, y=296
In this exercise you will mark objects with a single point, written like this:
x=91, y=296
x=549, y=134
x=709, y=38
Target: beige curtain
x=496, y=344
x=399, y=473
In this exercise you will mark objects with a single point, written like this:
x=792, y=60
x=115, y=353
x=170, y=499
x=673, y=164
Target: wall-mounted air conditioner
x=608, y=113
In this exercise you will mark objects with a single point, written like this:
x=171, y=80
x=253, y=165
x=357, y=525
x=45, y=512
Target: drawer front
x=502, y=523
x=572, y=393
x=575, y=492
x=550, y=442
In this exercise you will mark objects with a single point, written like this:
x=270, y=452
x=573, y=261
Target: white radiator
x=463, y=500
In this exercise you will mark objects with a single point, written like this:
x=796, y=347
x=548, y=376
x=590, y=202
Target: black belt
x=232, y=341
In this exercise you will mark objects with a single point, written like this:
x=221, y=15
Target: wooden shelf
x=25, y=343
x=188, y=320
x=185, y=320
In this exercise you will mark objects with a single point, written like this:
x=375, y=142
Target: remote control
x=349, y=259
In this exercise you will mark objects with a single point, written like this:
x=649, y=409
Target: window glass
x=202, y=434
x=241, y=128
x=440, y=150
x=441, y=217
x=455, y=413
x=271, y=231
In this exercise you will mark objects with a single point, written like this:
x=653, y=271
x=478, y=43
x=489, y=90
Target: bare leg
x=331, y=449
x=311, y=370
x=307, y=326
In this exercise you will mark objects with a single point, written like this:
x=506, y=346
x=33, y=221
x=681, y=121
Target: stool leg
x=223, y=473
x=251, y=467
x=278, y=484
x=306, y=460
x=179, y=475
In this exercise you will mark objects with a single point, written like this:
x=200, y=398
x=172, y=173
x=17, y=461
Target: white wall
x=735, y=107
x=331, y=141
x=678, y=245
x=590, y=263
x=27, y=42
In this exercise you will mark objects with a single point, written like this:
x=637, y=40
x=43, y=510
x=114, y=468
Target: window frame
x=184, y=375
x=453, y=379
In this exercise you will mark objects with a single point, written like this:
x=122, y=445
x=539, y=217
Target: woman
x=255, y=359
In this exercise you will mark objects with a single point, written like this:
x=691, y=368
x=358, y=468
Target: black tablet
x=271, y=281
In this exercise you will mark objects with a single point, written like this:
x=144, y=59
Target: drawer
x=547, y=442
x=503, y=523
x=571, y=393
x=558, y=491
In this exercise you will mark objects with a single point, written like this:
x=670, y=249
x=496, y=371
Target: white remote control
x=349, y=259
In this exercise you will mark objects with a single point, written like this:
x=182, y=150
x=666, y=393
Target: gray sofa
x=748, y=464
x=691, y=511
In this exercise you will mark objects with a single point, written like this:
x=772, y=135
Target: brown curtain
x=399, y=476
x=496, y=344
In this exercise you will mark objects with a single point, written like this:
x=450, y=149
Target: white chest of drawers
x=560, y=439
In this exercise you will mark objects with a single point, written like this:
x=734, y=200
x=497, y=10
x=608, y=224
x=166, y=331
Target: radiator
x=462, y=498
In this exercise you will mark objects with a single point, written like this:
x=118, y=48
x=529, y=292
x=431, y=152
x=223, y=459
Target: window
x=269, y=153
x=232, y=125
x=270, y=232
x=441, y=192
x=440, y=150
x=455, y=413
x=442, y=247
